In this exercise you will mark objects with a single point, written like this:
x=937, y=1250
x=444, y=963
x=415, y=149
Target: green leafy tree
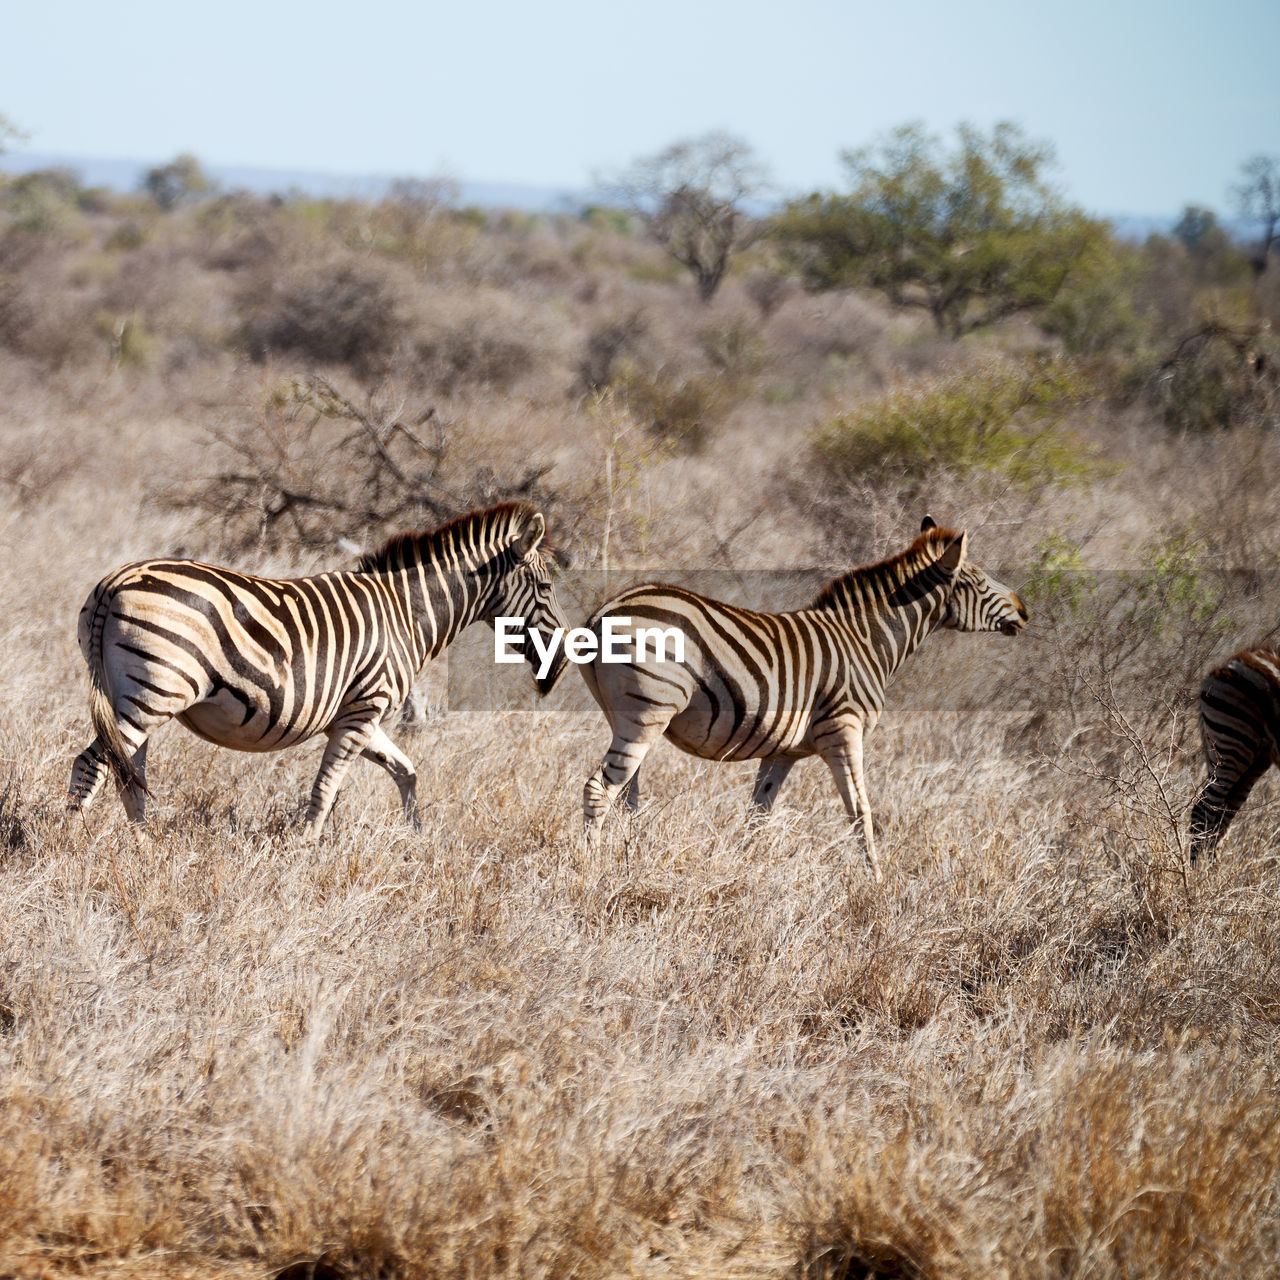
x=1098, y=315
x=181, y=181
x=691, y=197
x=972, y=234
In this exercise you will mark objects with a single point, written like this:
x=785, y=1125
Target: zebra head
x=525, y=590
x=977, y=601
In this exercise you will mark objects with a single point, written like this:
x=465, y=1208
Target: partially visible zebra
x=780, y=686
x=1240, y=731
x=260, y=664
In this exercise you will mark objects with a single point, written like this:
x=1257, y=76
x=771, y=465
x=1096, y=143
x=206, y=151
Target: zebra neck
x=889, y=631
x=903, y=629
x=440, y=601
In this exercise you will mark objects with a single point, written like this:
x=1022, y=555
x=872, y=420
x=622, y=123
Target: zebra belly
x=733, y=734
x=221, y=720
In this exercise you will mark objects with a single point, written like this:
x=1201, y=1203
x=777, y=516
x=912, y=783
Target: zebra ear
x=953, y=557
x=928, y=523
x=530, y=536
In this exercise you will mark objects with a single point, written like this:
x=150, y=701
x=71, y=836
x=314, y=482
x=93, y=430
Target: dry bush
x=343, y=311
x=32, y=473
x=680, y=410
x=768, y=289
x=409, y=214
x=316, y=469
x=734, y=350
x=50, y=203
x=850, y=345
x=1219, y=377
x=239, y=232
x=475, y=353
x=1231, y=480
x=44, y=315
x=1134, y=642
x=606, y=344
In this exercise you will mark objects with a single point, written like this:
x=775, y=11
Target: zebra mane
x=487, y=525
x=879, y=580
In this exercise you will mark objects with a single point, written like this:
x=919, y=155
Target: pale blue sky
x=1151, y=105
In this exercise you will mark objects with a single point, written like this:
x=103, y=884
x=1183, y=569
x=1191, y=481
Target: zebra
x=260, y=664
x=1240, y=732
x=776, y=687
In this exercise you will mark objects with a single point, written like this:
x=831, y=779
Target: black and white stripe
x=1240, y=732
x=776, y=687
x=260, y=664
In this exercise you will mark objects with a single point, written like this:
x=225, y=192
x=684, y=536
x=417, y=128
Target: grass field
x=1044, y=1047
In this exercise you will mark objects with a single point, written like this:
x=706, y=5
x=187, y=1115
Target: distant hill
x=126, y=175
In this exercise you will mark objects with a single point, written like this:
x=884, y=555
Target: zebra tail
x=102, y=712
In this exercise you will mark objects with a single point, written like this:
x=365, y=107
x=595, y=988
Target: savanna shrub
x=314, y=467
x=50, y=202
x=128, y=340
x=680, y=410
x=603, y=218
x=1097, y=313
x=126, y=236
x=768, y=289
x=733, y=349
x=997, y=418
x=343, y=312
x=243, y=233
x=1219, y=376
x=1136, y=640
x=472, y=353
x=606, y=344
x=43, y=315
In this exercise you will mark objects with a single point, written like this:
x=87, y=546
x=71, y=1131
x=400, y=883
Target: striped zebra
x=776, y=687
x=1240, y=731
x=261, y=664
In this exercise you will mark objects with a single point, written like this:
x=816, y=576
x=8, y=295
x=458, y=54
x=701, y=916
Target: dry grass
x=709, y=1052
x=1043, y=1048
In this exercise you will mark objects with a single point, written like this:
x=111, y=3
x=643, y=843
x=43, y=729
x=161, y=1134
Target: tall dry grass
x=709, y=1051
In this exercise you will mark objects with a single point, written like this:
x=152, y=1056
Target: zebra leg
x=134, y=794
x=773, y=773
x=633, y=792
x=844, y=759
x=620, y=765
x=346, y=742
x=1219, y=802
x=88, y=773
x=382, y=751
